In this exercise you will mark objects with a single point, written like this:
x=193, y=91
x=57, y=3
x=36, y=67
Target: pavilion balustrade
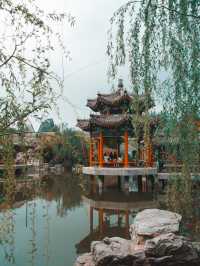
x=97, y=156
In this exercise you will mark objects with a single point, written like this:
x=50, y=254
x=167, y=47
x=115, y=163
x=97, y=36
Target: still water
x=58, y=221
x=47, y=227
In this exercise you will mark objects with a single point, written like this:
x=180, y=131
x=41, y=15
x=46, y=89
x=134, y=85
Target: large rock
x=163, y=247
x=164, y=250
x=112, y=251
x=170, y=249
x=85, y=260
x=196, y=245
x=153, y=222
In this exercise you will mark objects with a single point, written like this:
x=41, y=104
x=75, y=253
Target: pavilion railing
x=117, y=164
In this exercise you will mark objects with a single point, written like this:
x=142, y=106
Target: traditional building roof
x=118, y=102
x=83, y=124
x=112, y=100
x=104, y=121
x=116, y=111
x=113, y=122
x=110, y=121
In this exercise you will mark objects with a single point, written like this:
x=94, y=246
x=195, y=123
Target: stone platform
x=119, y=171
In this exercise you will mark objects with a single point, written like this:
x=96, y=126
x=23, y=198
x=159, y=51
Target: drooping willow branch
x=163, y=37
x=159, y=6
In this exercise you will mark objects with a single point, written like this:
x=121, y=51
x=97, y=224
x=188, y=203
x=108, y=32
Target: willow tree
x=28, y=40
x=29, y=84
x=157, y=38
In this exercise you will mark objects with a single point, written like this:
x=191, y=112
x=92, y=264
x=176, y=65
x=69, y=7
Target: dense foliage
x=160, y=42
x=48, y=126
x=68, y=147
x=29, y=85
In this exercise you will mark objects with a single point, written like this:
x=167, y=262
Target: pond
x=58, y=221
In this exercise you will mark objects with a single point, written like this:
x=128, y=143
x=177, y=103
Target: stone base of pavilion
x=123, y=171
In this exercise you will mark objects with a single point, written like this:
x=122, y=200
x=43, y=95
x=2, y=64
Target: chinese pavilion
x=111, y=127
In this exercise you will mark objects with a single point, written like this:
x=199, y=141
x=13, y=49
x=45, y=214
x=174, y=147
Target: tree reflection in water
x=7, y=231
x=65, y=191
x=47, y=233
x=33, y=251
x=58, y=224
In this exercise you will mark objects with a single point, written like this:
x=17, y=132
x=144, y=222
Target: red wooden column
x=118, y=148
x=127, y=222
x=149, y=154
x=91, y=219
x=98, y=149
x=144, y=184
x=101, y=220
x=91, y=152
x=126, y=149
x=118, y=217
x=101, y=149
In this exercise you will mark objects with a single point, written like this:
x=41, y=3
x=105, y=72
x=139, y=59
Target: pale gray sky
x=86, y=74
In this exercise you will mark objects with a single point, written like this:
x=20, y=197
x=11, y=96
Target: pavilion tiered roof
x=115, y=110
x=105, y=121
x=114, y=101
x=118, y=122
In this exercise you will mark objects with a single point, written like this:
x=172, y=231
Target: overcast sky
x=86, y=74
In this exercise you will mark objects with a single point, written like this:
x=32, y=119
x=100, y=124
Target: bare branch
x=9, y=58
x=19, y=58
x=23, y=116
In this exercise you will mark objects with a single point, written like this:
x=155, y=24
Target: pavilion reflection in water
x=111, y=211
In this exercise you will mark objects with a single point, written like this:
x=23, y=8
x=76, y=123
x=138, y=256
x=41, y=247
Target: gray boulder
x=85, y=260
x=196, y=245
x=112, y=251
x=153, y=222
x=171, y=249
x=164, y=250
x=154, y=231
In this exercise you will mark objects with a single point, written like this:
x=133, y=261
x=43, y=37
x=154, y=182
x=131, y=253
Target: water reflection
x=59, y=219
x=65, y=191
x=27, y=229
x=7, y=240
x=111, y=209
